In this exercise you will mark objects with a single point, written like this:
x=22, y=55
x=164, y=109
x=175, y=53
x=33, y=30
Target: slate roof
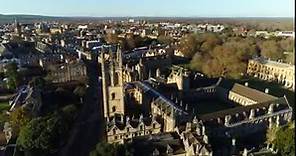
x=251, y=93
x=232, y=111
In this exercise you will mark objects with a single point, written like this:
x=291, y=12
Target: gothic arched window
x=113, y=109
x=112, y=96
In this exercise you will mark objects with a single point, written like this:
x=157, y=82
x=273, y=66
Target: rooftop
x=251, y=93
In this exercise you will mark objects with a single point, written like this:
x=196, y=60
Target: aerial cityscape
x=147, y=78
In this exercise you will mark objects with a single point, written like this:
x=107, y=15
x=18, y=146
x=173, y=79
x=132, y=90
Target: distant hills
x=276, y=22
x=24, y=18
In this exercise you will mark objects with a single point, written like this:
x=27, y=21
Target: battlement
x=126, y=128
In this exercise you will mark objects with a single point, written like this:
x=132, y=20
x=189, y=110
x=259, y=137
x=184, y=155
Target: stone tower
x=140, y=68
x=112, y=83
x=180, y=76
x=17, y=27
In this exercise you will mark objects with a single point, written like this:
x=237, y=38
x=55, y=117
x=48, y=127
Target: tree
x=210, y=41
x=44, y=135
x=131, y=43
x=271, y=135
x=290, y=57
x=38, y=82
x=228, y=60
x=112, y=38
x=19, y=118
x=271, y=49
x=105, y=149
x=285, y=140
x=282, y=139
x=3, y=118
x=13, y=77
x=287, y=44
x=165, y=39
x=189, y=45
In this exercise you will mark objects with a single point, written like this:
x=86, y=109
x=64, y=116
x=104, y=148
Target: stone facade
x=122, y=131
x=195, y=139
x=72, y=71
x=112, y=83
x=141, y=84
x=180, y=76
x=272, y=71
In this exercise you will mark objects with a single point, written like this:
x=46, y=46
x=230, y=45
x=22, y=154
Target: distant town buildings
x=67, y=72
x=147, y=98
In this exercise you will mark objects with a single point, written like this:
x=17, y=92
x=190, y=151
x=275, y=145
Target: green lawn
x=4, y=106
x=210, y=106
x=275, y=89
x=3, y=117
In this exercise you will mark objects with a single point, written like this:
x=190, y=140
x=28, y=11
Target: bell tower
x=17, y=27
x=112, y=83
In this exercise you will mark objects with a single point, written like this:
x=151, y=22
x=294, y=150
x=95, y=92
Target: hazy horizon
x=135, y=16
x=152, y=8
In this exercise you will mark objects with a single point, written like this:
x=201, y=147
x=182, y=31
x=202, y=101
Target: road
x=89, y=128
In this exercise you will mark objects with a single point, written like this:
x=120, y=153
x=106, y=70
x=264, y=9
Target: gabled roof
x=251, y=93
x=232, y=111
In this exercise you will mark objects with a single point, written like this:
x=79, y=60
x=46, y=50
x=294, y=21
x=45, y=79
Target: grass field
x=210, y=106
x=4, y=106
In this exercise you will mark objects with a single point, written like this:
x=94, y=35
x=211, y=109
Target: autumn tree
x=290, y=57
x=189, y=45
x=285, y=140
x=287, y=44
x=209, y=42
x=271, y=49
x=19, y=118
x=282, y=139
x=112, y=38
x=165, y=39
x=227, y=60
x=131, y=43
x=13, y=76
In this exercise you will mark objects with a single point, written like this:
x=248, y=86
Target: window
x=141, y=127
x=114, y=131
x=154, y=125
x=113, y=109
x=112, y=96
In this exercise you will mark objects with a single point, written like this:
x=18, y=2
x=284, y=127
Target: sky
x=158, y=8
